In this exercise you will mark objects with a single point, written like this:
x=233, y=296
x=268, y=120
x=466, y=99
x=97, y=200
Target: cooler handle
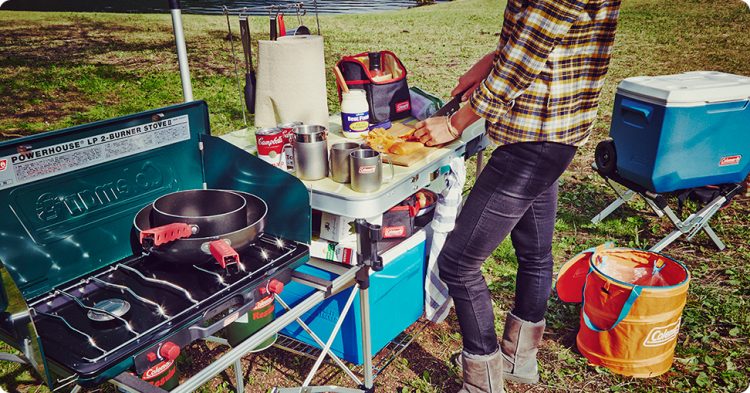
x=723, y=107
x=634, y=294
x=635, y=114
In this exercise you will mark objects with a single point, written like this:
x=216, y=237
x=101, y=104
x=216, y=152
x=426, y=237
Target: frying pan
x=175, y=242
x=209, y=212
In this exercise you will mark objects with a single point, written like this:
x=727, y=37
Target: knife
x=451, y=107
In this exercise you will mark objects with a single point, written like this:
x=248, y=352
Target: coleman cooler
x=675, y=132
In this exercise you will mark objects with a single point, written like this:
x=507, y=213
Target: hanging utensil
x=272, y=30
x=249, y=72
x=301, y=28
x=282, y=25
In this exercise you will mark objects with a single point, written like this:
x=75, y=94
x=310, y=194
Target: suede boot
x=520, y=345
x=482, y=373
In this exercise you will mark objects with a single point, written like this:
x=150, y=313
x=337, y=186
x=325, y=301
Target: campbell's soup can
x=288, y=130
x=270, y=143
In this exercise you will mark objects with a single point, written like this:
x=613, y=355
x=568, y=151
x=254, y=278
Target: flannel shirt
x=548, y=71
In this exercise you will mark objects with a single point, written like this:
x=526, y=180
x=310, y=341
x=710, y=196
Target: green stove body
x=67, y=201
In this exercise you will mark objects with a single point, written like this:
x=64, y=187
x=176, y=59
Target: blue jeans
x=515, y=194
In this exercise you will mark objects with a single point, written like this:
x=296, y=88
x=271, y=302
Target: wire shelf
x=381, y=360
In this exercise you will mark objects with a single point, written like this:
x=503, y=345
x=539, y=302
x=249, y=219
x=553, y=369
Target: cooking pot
x=181, y=243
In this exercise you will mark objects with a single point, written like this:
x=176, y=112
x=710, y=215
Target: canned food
x=288, y=130
x=270, y=143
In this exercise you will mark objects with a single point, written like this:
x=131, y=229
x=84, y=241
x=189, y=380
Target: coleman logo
x=402, y=106
x=3, y=164
x=389, y=232
x=662, y=335
x=730, y=160
x=366, y=169
x=157, y=370
x=263, y=303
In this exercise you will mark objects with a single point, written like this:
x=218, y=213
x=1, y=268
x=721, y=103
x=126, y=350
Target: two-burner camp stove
x=80, y=298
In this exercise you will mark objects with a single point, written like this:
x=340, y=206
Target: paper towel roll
x=291, y=81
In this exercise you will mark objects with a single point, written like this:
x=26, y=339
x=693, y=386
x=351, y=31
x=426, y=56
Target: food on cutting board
x=381, y=140
x=404, y=148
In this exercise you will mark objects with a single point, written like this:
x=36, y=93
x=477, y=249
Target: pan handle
x=223, y=253
x=157, y=236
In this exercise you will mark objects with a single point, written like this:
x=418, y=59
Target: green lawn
x=60, y=69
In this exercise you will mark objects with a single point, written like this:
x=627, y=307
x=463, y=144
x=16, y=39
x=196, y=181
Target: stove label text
x=49, y=161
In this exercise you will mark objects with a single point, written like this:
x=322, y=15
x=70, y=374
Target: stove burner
x=114, y=308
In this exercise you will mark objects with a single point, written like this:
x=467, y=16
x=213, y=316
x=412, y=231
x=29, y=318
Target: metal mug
x=310, y=152
x=339, y=159
x=366, y=170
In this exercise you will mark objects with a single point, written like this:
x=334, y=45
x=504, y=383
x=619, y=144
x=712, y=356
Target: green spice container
x=163, y=375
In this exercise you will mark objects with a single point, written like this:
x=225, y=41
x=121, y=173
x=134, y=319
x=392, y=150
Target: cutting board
x=398, y=129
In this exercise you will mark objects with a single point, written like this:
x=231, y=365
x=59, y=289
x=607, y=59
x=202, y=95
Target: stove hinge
x=203, y=164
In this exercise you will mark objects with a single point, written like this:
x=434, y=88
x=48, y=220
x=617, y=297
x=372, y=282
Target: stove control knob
x=151, y=356
x=275, y=286
x=169, y=351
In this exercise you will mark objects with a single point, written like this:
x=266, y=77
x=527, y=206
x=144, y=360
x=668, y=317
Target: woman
x=538, y=93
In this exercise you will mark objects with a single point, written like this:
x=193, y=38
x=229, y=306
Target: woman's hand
x=433, y=131
x=474, y=76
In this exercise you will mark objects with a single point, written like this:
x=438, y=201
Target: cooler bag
x=388, y=99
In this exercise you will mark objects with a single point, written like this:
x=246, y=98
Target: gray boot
x=520, y=345
x=482, y=373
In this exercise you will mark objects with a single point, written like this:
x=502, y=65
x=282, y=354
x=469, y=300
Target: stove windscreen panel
x=68, y=197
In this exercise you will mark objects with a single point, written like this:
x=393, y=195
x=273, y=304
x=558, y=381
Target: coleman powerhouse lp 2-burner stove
x=82, y=298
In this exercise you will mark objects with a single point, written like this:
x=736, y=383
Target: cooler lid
x=696, y=87
x=68, y=197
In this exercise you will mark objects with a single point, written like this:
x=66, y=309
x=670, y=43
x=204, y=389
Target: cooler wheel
x=606, y=157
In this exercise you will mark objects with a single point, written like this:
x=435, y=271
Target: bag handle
x=624, y=311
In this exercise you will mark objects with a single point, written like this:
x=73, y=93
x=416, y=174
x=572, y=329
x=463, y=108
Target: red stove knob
x=169, y=351
x=275, y=286
x=151, y=356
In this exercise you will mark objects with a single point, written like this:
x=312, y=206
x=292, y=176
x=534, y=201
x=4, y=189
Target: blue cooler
x=675, y=132
x=396, y=301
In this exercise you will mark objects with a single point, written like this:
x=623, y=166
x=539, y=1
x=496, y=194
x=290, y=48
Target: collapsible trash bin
x=632, y=307
x=675, y=132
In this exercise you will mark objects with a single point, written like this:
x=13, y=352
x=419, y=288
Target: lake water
x=201, y=6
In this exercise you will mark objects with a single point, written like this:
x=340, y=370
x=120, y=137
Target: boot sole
x=525, y=380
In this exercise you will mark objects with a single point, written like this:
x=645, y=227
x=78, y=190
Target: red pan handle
x=223, y=253
x=164, y=234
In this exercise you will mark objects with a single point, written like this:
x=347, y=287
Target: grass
x=63, y=69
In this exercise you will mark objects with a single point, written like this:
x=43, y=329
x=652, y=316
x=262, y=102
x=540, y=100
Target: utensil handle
x=340, y=79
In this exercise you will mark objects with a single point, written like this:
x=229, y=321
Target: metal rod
x=335, y=332
x=127, y=324
x=234, y=61
x=179, y=38
x=256, y=339
x=65, y=321
x=157, y=281
x=318, y=341
x=158, y=307
x=218, y=276
x=238, y=376
x=364, y=315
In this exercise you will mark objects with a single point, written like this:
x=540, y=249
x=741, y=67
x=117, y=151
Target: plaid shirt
x=549, y=69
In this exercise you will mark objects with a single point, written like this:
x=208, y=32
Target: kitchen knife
x=451, y=107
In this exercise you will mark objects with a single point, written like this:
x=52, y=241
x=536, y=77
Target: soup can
x=270, y=143
x=288, y=130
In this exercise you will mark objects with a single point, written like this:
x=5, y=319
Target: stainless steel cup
x=310, y=152
x=366, y=170
x=339, y=159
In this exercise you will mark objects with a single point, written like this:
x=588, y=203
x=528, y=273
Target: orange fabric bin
x=632, y=307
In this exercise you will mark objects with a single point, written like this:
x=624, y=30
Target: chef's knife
x=451, y=107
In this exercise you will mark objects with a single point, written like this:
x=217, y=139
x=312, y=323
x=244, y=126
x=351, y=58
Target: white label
x=41, y=163
x=662, y=335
